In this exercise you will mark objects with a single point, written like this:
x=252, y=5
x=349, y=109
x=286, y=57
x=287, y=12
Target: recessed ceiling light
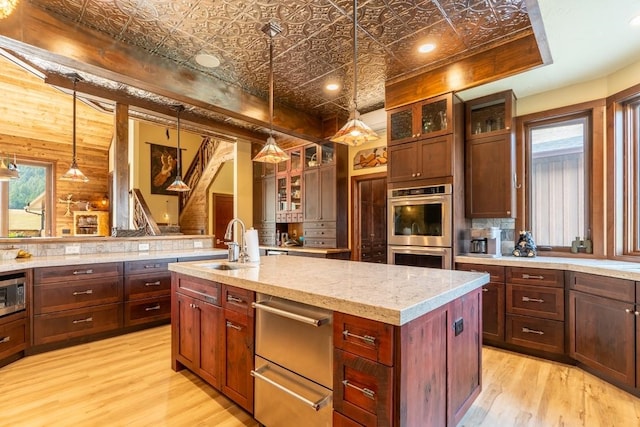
x=207, y=60
x=635, y=21
x=332, y=86
x=426, y=48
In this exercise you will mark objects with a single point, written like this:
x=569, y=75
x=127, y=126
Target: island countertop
x=391, y=294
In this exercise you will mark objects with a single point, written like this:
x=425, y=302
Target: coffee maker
x=485, y=242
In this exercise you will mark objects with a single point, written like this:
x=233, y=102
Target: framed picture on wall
x=163, y=168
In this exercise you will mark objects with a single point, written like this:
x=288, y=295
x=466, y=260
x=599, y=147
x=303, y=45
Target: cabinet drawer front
x=319, y=225
x=148, y=310
x=535, y=276
x=65, y=296
x=149, y=266
x=61, y=326
x=320, y=243
x=67, y=273
x=203, y=290
x=363, y=337
x=538, y=334
x=538, y=301
x=320, y=232
x=147, y=285
x=362, y=389
x=608, y=287
x=13, y=338
x=496, y=272
x=238, y=300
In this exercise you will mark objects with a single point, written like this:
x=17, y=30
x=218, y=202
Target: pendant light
x=74, y=174
x=270, y=152
x=8, y=170
x=355, y=132
x=178, y=184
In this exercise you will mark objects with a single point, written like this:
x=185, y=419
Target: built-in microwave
x=12, y=293
x=420, y=216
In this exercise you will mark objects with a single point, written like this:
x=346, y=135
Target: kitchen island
x=406, y=340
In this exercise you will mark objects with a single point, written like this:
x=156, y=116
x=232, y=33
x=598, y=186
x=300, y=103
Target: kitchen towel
x=253, y=247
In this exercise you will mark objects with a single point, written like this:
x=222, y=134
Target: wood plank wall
x=36, y=122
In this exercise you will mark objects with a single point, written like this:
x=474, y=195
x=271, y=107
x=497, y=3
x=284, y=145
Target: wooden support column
x=121, y=181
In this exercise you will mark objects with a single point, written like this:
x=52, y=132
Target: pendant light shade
x=178, y=184
x=355, y=132
x=270, y=152
x=74, y=174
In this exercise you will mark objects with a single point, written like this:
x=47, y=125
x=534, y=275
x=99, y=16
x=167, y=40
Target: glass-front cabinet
x=490, y=115
x=289, y=188
x=316, y=155
x=424, y=119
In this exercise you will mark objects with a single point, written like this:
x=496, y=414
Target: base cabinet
x=213, y=334
x=426, y=369
x=13, y=335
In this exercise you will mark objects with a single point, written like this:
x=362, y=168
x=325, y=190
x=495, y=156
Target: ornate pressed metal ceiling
x=316, y=41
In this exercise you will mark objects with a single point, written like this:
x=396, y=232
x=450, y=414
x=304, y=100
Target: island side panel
x=464, y=349
x=422, y=373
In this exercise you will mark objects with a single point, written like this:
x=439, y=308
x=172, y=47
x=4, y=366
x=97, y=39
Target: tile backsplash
x=507, y=225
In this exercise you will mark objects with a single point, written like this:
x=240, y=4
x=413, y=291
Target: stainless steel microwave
x=12, y=293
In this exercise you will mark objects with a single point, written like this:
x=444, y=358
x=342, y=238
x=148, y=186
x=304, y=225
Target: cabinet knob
x=627, y=310
x=417, y=134
x=419, y=174
x=413, y=175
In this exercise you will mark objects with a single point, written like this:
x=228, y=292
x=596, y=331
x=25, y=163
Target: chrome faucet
x=233, y=255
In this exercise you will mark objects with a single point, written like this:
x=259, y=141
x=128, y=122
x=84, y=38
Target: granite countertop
x=391, y=294
x=604, y=267
x=54, y=261
x=307, y=250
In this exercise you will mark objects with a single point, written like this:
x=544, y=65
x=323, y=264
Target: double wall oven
x=420, y=226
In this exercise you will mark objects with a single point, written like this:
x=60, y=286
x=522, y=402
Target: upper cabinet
x=490, y=157
x=289, y=187
x=424, y=119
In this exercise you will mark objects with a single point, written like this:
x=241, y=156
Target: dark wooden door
x=602, y=335
x=222, y=214
x=370, y=218
x=188, y=331
x=237, y=379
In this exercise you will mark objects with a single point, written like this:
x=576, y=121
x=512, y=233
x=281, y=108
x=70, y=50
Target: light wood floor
x=127, y=381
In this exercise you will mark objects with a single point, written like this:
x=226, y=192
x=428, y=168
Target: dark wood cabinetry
x=490, y=178
x=430, y=158
x=213, y=335
x=13, y=336
x=147, y=291
x=376, y=364
x=603, y=325
x=372, y=225
x=424, y=119
x=493, y=301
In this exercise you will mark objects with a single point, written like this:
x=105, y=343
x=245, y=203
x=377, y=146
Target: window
x=560, y=156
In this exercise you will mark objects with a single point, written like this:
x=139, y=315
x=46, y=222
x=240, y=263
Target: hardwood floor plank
x=128, y=381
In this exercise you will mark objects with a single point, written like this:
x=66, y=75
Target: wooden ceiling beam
x=32, y=31
x=500, y=62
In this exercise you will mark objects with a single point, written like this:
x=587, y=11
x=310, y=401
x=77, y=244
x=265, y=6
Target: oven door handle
x=417, y=250
x=289, y=315
x=316, y=406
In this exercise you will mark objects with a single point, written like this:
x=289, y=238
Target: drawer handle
x=156, y=283
x=231, y=325
x=366, y=338
x=87, y=292
x=5, y=339
x=88, y=319
x=152, y=266
x=485, y=290
x=155, y=307
x=527, y=299
x=532, y=331
x=316, y=406
x=532, y=276
x=367, y=392
x=89, y=271
x=231, y=298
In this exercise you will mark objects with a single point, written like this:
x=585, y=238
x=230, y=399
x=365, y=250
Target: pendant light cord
x=355, y=57
x=75, y=81
x=271, y=85
x=179, y=154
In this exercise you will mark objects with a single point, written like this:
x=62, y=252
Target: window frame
x=594, y=111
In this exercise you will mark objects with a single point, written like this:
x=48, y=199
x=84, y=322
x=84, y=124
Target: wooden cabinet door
x=464, y=358
x=328, y=193
x=238, y=344
x=403, y=162
x=602, y=335
x=269, y=199
x=489, y=177
x=493, y=297
x=188, y=332
x=434, y=157
x=312, y=194
x=209, y=342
